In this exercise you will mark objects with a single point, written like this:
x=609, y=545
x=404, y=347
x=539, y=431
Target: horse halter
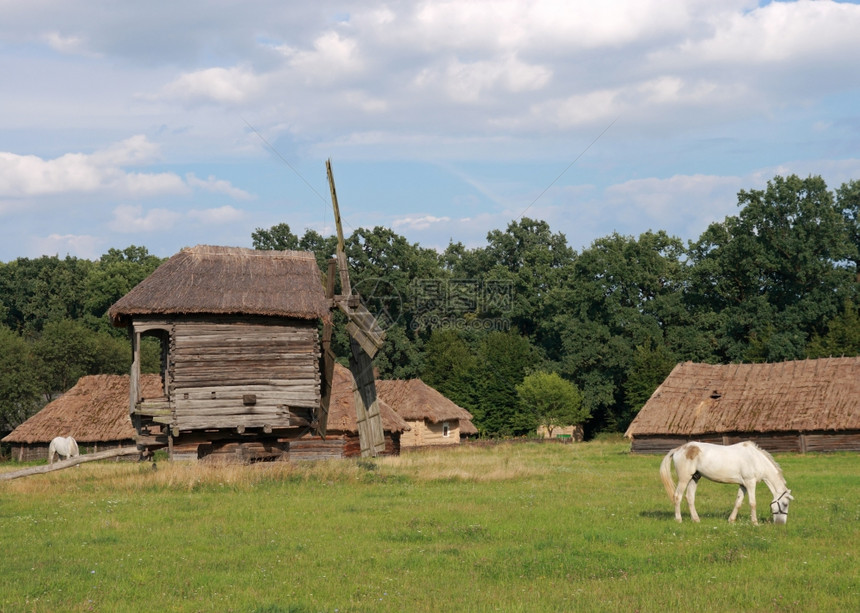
x=780, y=506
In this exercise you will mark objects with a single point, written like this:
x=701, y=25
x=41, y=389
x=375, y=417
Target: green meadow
x=513, y=527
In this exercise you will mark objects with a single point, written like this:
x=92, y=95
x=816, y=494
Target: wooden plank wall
x=777, y=442
x=242, y=375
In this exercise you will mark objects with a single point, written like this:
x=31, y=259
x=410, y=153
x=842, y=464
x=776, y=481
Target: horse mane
x=770, y=458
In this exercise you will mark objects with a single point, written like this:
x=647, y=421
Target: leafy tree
x=551, y=401
x=772, y=275
x=322, y=247
x=66, y=351
x=842, y=337
x=278, y=238
x=115, y=274
x=848, y=202
x=449, y=365
x=620, y=293
x=19, y=391
x=532, y=259
x=36, y=291
x=650, y=366
x=503, y=360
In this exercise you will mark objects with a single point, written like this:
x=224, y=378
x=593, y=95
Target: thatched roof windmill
x=365, y=339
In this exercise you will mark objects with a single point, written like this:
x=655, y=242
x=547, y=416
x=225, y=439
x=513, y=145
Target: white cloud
x=219, y=186
x=418, y=223
x=780, y=32
x=332, y=57
x=30, y=175
x=680, y=196
x=79, y=245
x=215, y=85
x=466, y=82
x=221, y=215
x=130, y=219
x=70, y=45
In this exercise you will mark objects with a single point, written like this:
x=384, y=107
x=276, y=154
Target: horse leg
x=683, y=483
x=740, y=498
x=751, y=495
x=691, y=499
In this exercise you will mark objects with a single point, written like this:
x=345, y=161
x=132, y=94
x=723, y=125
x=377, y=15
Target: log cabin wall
x=775, y=442
x=251, y=373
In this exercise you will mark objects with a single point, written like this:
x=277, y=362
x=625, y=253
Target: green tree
x=277, y=238
x=532, y=259
x=842, y=337
x=115, y=274
x=449, y=365
x=551, y=401
x=771, y=276
x=620, y=293
x=503, y=360
x=36, y=291
x=66, y=351
x=848, y=202
x=650, y=366
x=19, y=391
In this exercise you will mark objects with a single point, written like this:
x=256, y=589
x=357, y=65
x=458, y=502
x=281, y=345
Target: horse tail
x=73, y=448
x=52, y=449
x=666, y=474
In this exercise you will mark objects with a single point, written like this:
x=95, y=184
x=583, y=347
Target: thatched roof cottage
x=807, y=405
x=433, y=418
x=341, y=440
x=94, y=412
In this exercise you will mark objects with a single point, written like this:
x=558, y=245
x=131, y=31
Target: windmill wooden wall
x=240, y=346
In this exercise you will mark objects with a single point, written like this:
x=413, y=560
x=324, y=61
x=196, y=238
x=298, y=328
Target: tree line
x=499, y=328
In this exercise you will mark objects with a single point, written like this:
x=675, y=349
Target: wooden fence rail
x=90, y=457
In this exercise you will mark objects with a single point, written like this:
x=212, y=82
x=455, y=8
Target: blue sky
x=170, y=124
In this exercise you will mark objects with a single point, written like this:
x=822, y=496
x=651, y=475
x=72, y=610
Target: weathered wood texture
x=783, y=442
x=225, y=373
x=37, y=470
x=243, y=452
x=337, y=446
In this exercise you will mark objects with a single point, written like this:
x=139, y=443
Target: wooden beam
x=341, y=253
x=90, y=457
x=326, y=358
x=369, y=420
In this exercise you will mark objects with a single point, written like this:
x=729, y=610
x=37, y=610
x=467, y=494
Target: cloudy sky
x=170, y=124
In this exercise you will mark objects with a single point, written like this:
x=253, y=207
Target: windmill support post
x=365, y=339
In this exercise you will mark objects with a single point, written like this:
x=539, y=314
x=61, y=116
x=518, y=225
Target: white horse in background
x=743, y=463
x=64, y=446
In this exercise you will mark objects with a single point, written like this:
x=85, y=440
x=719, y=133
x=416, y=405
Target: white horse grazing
x=64, y=446
x=743, y=463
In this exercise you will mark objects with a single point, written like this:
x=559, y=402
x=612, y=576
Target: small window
x=445, y=429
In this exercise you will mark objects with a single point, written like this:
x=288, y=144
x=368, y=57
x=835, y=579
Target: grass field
x=516, y=527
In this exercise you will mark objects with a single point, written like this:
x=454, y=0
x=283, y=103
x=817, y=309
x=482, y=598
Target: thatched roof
x=228, y=281
x=799, y=396
x=414, y=400
x=467, y=427
x=94, y=410
x=341, y=411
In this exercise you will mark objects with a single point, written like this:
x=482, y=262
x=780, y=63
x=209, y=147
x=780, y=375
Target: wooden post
x=371, y=436
x=326, y=357
x=345, y=287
